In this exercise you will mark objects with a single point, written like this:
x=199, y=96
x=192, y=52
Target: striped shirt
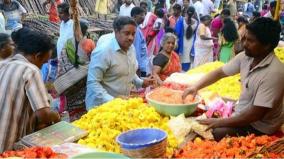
x=22, y=93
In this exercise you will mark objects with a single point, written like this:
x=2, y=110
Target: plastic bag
x=180, y=127
x=201, y=129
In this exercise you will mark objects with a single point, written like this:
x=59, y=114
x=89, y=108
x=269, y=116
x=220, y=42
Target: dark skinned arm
x=207, y=80
x=45, y=117
x=247, y=117
x=156, y=71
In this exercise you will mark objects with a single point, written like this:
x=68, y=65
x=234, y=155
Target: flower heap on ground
x=279, y=52
x=229, y=87
x=106, y=122
x=229, y=147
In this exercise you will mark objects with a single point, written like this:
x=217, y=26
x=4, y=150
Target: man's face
x=63, y=16
x=40, y=59
x=253, y=48
x=125, y=36
x=139, y=18
x=176, y=12
x=128, y=2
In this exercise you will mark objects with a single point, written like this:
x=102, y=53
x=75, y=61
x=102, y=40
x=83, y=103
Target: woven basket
x=276, y=147
x=154, y=151
x=76, y=95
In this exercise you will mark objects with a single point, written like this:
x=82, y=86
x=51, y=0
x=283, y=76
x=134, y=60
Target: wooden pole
x=77, y=29
x=75, y=15
x=277, y=10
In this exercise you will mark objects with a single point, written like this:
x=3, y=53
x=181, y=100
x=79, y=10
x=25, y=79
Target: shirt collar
x=265, y=62
x=116, y=46
x=68, y=22
x=20, y=57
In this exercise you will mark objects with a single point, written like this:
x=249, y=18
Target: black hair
x=120, y=21
x=266, y=30
x=4, y=39
x=242, y=19
x=189, y=30
x=265, y=7
x=273, y=4
x=205, y=18
x=160, y=13
x=229, y=30
x=30, y=42
x=64, y=7
x=226, y=12
x=169, y=30
x=84, y=27
x=136, y=11
x=143, y=3
x=256, y=14
x=160, y=4
x=177, y=7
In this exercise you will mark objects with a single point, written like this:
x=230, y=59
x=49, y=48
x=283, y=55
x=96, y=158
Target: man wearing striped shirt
x=24, y=103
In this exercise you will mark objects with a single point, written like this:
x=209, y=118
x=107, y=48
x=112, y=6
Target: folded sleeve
x=36, y=91
x=234, y=66
x=270, y=91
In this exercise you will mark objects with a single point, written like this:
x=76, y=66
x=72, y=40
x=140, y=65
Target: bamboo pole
x=75, y=15
x=277, y=10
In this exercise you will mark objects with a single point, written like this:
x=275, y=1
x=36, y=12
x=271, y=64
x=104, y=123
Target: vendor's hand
x=212, y=123
x=190, y=90
x=55, y=117
x=150, y=81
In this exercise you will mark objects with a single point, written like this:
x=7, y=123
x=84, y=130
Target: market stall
x=102, y=128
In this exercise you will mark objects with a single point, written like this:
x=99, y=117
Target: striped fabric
x=22, y=93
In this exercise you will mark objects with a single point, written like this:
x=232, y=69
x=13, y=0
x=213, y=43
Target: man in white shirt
x=66, y=27
x=199, y=8
x=126, y=8
x=208, y=7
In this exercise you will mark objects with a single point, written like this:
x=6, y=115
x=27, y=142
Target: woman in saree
x=167, y=61
x=204, y=42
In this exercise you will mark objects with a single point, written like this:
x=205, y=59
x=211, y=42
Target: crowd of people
x=149, y=42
